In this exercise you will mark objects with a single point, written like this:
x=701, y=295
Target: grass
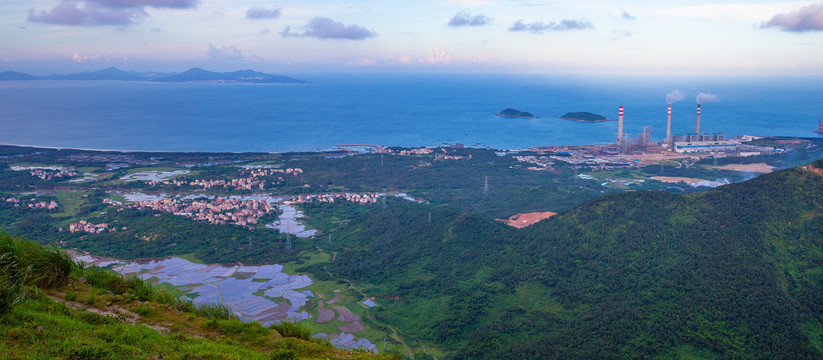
x=33, y=326
x=191, y=257
x=24, y=263
x=306, y=259
x=70, y=203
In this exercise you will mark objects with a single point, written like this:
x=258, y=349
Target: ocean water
x=391, y=110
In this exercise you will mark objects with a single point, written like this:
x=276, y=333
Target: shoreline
x=162, y=151
x=586, y=121
x=517, y=117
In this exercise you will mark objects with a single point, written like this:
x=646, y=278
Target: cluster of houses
x=48, y=174
x=85, y=226
x=218, y=211
x=252, y=182
x=420, y=151
x=362, y=198
x=112, y=202
x=32, y=204
x=271, y=172
x=542, y=162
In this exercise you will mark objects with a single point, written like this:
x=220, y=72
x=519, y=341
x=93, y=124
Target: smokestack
x=669, y=125
x=620, y=125
x=698, y=118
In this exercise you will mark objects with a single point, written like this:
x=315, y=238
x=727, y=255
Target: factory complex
x=680, y=143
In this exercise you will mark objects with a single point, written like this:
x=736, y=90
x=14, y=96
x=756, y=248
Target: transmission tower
x=486, y=186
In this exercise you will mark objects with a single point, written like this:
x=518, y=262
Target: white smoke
x=674, y=97
x=703, y=98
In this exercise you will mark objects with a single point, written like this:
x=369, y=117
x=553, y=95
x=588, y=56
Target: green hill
x=51, y=308
x=584, y=117
x=516, y=114
x=735, y=272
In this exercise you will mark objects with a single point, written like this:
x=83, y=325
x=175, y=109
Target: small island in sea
x=516, y=114
x=583, y=117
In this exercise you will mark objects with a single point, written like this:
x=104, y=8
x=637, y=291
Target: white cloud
x=96, y=57
x=224, y=52
x=436, y=56
x=748, y=13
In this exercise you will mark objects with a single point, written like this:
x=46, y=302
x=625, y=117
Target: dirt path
x=117, y=312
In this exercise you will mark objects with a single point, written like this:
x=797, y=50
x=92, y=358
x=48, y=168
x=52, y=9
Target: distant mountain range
x=191, y=75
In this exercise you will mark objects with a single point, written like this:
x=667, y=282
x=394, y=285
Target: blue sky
x=461, y=36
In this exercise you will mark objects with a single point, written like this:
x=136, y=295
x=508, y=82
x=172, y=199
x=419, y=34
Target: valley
x=399, y=251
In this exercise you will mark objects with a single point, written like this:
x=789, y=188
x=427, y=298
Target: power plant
x=681, y=143
x=669, y=126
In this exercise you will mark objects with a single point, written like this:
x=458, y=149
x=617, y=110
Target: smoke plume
x=703, y=98
x=674, y=97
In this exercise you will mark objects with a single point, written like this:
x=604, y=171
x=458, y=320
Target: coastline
x=586, y=121
x=517, y=117
x=159, y=151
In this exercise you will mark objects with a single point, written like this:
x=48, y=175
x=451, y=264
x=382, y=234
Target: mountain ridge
x=731, y=272
x=191, y=75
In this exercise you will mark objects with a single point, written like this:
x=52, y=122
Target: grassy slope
x=88, y=313
x=732, y=272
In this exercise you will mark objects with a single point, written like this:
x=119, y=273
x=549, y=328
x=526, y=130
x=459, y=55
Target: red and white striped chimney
x=669, y=124
x=698, y=118
x=620, y=124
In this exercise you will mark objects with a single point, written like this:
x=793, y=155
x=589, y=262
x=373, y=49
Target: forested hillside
x=735, y=272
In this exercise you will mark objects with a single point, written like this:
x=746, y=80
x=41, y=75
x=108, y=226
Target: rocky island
x=516, y=114
x=583, y=117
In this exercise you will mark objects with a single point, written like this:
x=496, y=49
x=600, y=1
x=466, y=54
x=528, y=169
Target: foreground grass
x=67, y=311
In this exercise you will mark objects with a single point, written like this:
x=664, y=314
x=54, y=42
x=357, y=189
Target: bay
x=392, y=110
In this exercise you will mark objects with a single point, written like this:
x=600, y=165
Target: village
x=251, y=182
x=219, y=211
x=32, y=204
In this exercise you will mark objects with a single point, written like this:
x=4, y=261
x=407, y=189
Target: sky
x=640, y=37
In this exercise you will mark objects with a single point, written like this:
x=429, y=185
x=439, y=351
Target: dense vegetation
x=734, y=272
x=51, y=307
x=583, y=116
x=516, y=113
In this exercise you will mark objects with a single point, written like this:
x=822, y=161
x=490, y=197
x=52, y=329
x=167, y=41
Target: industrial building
x=681, y=143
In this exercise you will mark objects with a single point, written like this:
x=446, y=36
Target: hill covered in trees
x=734, y=272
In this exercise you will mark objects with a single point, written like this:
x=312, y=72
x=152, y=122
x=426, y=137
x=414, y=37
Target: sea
x=393, y=110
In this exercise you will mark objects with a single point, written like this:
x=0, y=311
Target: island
x=516, y=114
x=583, y=117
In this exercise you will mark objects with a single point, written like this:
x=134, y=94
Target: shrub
x=282, y=354
x=215, y=311
x=292, y=329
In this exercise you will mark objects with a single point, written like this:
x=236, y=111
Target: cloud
x=703, y=98
x=171, y=4
x=91, y=14
x=620, y=33
x=463, y=18
x=809, y=18
x=265, y=31
x=436, y=56
x=539, y=27
x=224, y=53
x=627, y=16
x=325, y=28
x=261, y=13
x=96, y=57
x=103, y=12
